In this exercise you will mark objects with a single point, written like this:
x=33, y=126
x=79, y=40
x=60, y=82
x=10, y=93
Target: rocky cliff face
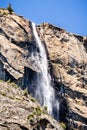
x=19, y=111
x=15, y=35
x=67, y=57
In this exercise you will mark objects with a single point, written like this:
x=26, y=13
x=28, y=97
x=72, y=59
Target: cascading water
x=44, y=91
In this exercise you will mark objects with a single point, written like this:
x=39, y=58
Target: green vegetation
x=3, y=93
x=31, y=116
x=45, y=108
x=1, y=80
x=33, y=99
x=38, y=111
x=12, y=84
x=26, y=92
x=17, y=98
x=63, y=125
x=8, y=81
x=9, y=8
x=4, y=13
x=35, y=113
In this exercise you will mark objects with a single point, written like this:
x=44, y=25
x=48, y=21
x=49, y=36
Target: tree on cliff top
x=9, y=8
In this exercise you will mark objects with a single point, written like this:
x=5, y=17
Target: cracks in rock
x=75, y=94
x=43, y=124
x=20, y=26
x=80, y=38
x=75, y=116
x=24, y=45
x=3, y=32
x=8, y=125
x=21, y=43
x=85, y=45
x=63, y=111
x=5, y=60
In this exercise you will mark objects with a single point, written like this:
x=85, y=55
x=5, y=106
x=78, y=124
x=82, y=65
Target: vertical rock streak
x=44, y=91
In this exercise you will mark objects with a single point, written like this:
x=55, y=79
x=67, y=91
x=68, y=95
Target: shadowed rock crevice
x=11, y=125
x=85, y=45
x=29, y=80
x=20, y=26
x=80, y=38
x=5, y=60
x=2, y=32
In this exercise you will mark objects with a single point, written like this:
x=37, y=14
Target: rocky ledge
x=20, y=111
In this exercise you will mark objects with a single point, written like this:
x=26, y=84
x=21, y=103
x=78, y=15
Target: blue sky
x=68, y=14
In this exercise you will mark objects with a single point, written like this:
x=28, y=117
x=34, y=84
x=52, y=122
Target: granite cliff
x=67, y=53
x=20, y=111
x=67, y=58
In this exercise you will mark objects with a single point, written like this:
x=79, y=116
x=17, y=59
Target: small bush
x=17, y=98
x=31, y=116
x=38, y=111
x=33, y=99
x=14, y=85
x=45, y=108
x=8, y=81
x=26, y=92
x=63, y=125
x=3, y=93
x=4, y=13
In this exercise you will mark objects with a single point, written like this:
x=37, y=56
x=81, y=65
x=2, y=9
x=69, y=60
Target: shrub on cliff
x=9, y=8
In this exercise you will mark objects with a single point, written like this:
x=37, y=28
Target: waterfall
x=44, y=92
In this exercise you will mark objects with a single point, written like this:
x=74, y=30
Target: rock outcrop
x=16, y=41
x=19, y=111
x=67, y=57
x=15, y=35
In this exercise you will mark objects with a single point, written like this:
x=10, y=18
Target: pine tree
x=9, y=8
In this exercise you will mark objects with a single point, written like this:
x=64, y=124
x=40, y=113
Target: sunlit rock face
x=16, y=40
x=67, y=58
x=20, y=111
x=67, y=53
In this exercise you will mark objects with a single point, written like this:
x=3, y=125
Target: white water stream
x=44, y=91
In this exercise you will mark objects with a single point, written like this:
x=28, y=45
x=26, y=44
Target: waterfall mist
x=43, y=92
